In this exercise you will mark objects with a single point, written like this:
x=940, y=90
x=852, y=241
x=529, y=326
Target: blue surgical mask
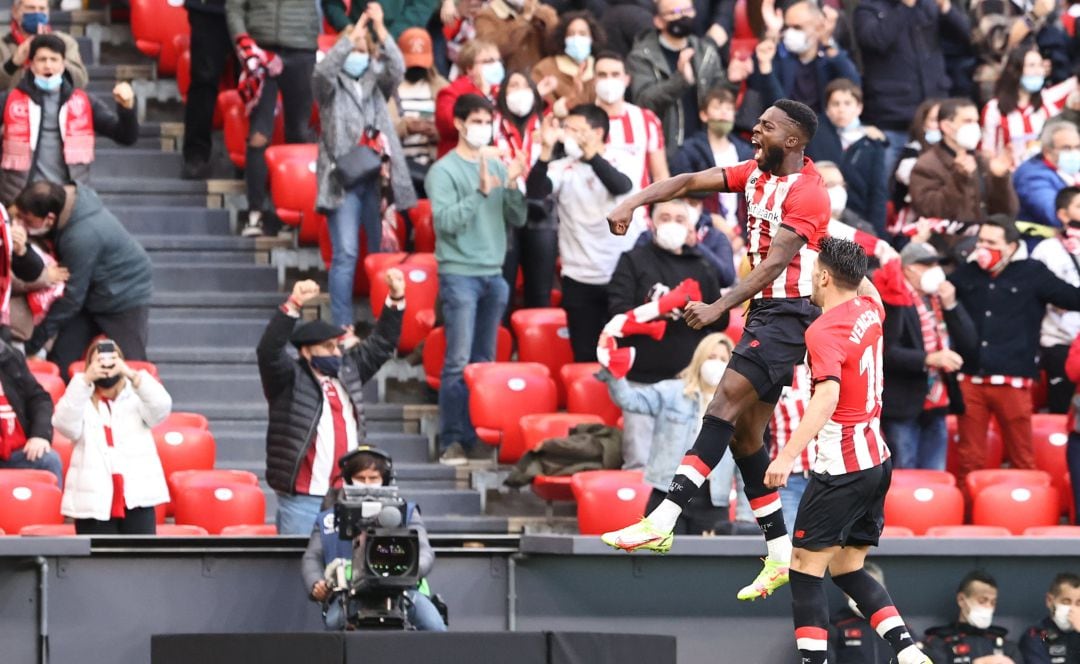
x=1032, y=83
x=493, y=73
x=932, y=136
x=356, y=63
x=1068, y=162
x=579, y=47
x=855, y=124
x=31, y=21
x=327, y=365
x=49, y=83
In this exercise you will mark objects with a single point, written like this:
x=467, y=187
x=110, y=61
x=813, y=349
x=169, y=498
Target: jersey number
x=870, y=367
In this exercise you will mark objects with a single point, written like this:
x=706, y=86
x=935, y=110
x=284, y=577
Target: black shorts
x=773, y=343
x=844, y=510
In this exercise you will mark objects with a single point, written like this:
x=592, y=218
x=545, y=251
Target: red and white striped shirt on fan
x=790, y=410
x=633, y=136
x=845, y=345
x=1020, y=130
x=798, y=202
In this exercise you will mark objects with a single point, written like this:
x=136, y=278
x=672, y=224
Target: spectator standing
x=903, y=64
x=110, y=283
x=474, y=198
x=519, y=28
x=670, y=68
x=1059, y=327
x=276, y=42
x=973, y=633
x=574, y=44
x=402, y=14
x=1072, y=449
x=315, y=401
x=26, y=412
x=482, y=73
x=585, y=186
x=30, y=18
x=1006, y=295
x=924, y=329
x=115, y=479
x=839, y=210
x=210, y=50
x=351, y=85
x=60, y=148
x=413, y=108
x=1056, y=638
x=790, y=409
x=925, y=132
x=636, y=139
x=452, y=29
x=1039, y=179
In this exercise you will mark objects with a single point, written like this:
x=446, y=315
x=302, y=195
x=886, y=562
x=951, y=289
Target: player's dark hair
x=801, y=114
x=949, y=107
x=845, y=261
x=1065, y=197
x=468, y=104
x=49, y=42
x=975, y=576
x=1064, y=579
x=595, y=116
x=1005, y=223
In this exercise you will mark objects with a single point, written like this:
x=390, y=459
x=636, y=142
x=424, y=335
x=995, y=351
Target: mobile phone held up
x=107, y=353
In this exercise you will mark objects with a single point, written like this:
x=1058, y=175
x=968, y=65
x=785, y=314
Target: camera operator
x=373, y=467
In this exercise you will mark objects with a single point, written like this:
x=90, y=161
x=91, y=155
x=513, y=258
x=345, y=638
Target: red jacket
x=444, y=111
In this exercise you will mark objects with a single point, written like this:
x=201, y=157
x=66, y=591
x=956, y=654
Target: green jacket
x=275, y=23
x=400, y=14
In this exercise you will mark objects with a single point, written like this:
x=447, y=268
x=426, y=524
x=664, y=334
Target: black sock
x=708, y=449
x=810, y=609
x=764, y=501
x=876, y=605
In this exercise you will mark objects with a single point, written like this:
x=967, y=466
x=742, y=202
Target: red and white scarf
x=22, y=124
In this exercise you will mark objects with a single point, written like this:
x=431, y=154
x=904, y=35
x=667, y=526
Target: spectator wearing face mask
x=973, y=638
x=585, y=186
x=412, y=109
x=30, y=18
x=1039, y=179
x=401, y=14
x=924, y=133
x=1006, y=295
x=571, y=62
x=926, y=333
x=1056, y=637
x=519, y=28
x=482, y=73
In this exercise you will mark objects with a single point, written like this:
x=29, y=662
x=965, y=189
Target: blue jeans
x=791, y=496
x=897, y=141
x=918, y=442
x=359, y=209
x=421, y=614
x=472, y=308
x=49, y=461
x=296, y=514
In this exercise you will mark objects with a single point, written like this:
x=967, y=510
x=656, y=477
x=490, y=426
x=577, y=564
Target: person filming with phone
x=115, y=478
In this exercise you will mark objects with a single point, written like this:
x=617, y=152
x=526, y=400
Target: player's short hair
x=468, y=104
x=801, y=114
x=976, y=576
x=1065, y=197
x=1064, y=579
x=1005, y=223
x=845, y=261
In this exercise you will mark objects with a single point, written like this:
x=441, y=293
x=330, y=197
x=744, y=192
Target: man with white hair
x=1039, y=179
x=29, y=18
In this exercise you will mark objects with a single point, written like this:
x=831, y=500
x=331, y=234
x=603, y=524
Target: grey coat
x=346, y=108
x=275, y=23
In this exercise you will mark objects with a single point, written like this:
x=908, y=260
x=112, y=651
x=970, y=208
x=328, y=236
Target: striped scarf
x=935, y=337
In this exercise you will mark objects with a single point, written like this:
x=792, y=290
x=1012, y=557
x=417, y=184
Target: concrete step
x=176, y=221
x=148, y=185
x=465, y=525
x=241, y=388
x=215, y=278
x=408, y=475
x=200, y=355
x=206, y=245
x=265, y=301
x=194, y=257
x=221, y=332
x=134, y=197
x=201, y=312
x=135, y=163
x=100, y=74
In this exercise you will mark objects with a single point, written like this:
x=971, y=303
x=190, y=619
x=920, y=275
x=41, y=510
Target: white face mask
x=837, y=200
x=478, y=135
x=520, y=102
x=610, y=90
x=931, y=280
x=38, y=232
x=969, y=135
x=1061, y=617
x=796, y=41
x=573, y=150
x=980, y=616
x=854, y=607
x=671, y=236
x=711, y=371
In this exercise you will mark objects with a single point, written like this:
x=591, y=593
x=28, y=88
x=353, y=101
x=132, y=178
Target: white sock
x=665, y=515
x=911, y=655
x=779, y=549
x=254, y=217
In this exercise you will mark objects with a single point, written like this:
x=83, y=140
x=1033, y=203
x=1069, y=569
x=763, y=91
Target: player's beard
x=773, y=158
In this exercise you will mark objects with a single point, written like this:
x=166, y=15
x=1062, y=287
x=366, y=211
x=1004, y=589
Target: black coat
x=695, y=154
x=30, y=401
x=1046, y=644
x=295, y=399
x=863, y=167
x=942, y=643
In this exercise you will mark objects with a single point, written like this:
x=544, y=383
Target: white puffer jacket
x=88, y=486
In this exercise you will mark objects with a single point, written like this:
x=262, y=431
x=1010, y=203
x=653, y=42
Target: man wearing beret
x=315, y=400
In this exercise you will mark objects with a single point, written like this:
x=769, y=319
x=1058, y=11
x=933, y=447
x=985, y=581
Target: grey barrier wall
x=105, y=599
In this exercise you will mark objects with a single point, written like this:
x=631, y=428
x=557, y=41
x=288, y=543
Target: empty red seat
x=539, y=427
x=257, y=530
x=922, y=477
x=921, y=507
x=1049, y=437
x=435, y=352
x=897, y=531
x=48, y=530
x=184, y=448
x=236, y=126
x=421, y=291
x=27, y=475
x=182, y=478
x=180, y=530
x=54, y=385
x=995, y=448
x=24, y=503
x=185, y=420
x=500, y=394
x=39, y=366
x=978, y=480
x=294, y=187
x=1016, y=507
x=215, y=505
x=63, y=447
x=586, y=394
x=155, y=25
x=609, y=499
x=423, y=226
x=138, y=365
x=1052, y=531
x=542, y=336
x=968, y=531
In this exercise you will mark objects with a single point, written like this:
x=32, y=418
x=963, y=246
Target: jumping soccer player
x=843, y=509
x=788, y=214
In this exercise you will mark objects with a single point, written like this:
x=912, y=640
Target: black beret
x=314, y=332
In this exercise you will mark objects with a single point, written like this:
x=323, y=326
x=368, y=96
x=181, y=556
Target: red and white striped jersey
x=632, y=137
x=789, y=412
x=798, y=202
x=1020, y=130
x=845, y=345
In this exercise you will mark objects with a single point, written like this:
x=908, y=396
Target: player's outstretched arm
x=783, y=249
x=677, y=186
x=818, y=411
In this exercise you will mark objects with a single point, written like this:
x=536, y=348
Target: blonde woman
x=678, y=405
x=115, y=478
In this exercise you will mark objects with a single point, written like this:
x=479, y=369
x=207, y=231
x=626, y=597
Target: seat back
x=48, y=530
x=155, y=24
x=968, y=531
x=586, y=394
x=435, y=352
x=188, y=420
x=54, y=385
x=215, y=505
x=421, y=292
x=922, y=477
x=1016, y=507
x=28, y=475
x=39, y=366
x=182, y=478
x=63, y=447
x=294, y=187
x=994, y=446
x=897, y=531
x=500, y=394
x=28, y=503
x=538, y=427
x=542, y=336
x=1052, y=531
x=180, y=530
x=236, y=126
x=609, y=499
x=979, y=480
x=1049, y=437
x=920, y=507
x=184, y=448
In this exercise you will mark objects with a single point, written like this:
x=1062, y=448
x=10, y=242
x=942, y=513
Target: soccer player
x=788, y=214
x=843, y=509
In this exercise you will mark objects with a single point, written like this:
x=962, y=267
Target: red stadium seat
x=542, y=336
x=182, y=478
x=421, y=291
x=539, y=427
x=48, y=530
x=995, y=448
x=968, y=531
x=435, y=352
x=922, y=507
x=896, y=531
x=500, y=393
x=586, y=394
x=185, y=420
x=183, y=68
x=38, y=366
x=736, y=324
x=235, y=122
x=155, y=25
x=978, y=480
x=1052, y=531
x=180, y=530
x=423, y=226
x=63, y=447
x=54, y=385
x=79, y=366
x=215, y=505
x=8, y=475
x=183, y=448
x=1049, y=437
x=294, y=187
x=257, y=530
x=1016, y=507
x=25, y=503
x=922, y=477
x=609, y=499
